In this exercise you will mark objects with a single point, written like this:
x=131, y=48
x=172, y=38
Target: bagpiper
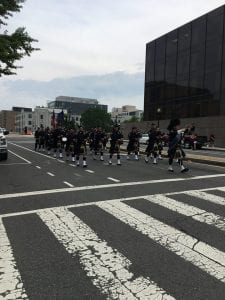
x=116, y=139
x=152, y=147
x=175, y=150
x=133, y=144
x=80, y=146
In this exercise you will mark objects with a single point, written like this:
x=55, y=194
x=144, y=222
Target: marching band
x=73, y=144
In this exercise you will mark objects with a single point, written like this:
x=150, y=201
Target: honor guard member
x=80, y=146
x=56, y=135
x=48, y=140
x=116, y=139
x=37, y=136
x=98, y=146
x=159, y=142
x=175, y=149
x=93, y=142
x=152, y=144
x=132, y=146
x=42, y=139
x=70, y=135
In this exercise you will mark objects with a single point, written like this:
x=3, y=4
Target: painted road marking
x=69, y=184
x=113, y=179
x=207, y=197
x=11, y=286
x=25, y=148
x=72, y=165
x=189, y=211
x=205, y=257
x=12, y=164
x=29, y=162
x=59, y=160
x=96, y=202
x=104, y=186
x=50, y=174
x=89, y=171
x=38, y=167
x=107, y=268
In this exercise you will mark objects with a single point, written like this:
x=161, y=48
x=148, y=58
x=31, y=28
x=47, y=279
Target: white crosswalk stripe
x=188, y=210
x=11, y=285
x=107, y=266
x=108, y=269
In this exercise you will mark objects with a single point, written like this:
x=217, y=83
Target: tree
x=132, y=119
x=95, y=117
x=16, y=45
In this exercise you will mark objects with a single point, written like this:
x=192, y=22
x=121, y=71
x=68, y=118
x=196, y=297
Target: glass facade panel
x=183, y=64
x=186, y=66
x=184, y=37
x=214, y=25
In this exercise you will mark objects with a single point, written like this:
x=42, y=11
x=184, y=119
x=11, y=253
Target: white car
x=144, y=139
x=3, y=144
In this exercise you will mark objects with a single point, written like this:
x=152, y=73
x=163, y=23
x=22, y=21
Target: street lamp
x=158, y=114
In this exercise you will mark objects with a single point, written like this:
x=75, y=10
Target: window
x=184, y=37
x=159, y=71
x=41, y=117
x=160, y=49
x=212, y=81
x=197, y=61
x=214, y=25
x=171, y=67
x=29, y=122
x=30, y=116
x=213, y=53
x=171, y=43
x=183, y=64
x=198, y=31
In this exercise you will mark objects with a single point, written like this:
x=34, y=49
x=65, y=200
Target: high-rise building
x=185, y=72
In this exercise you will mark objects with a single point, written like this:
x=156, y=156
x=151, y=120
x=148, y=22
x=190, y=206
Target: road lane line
x=208, y=197
x=13, y=164
x=11, y=286
x=72, y=165
x=205, y=257
x=189, y=211
x=50, y=174
x=107, y=268
x=69, y=184
x=105, y=186
x=29, y=162
x=113, y=179
x=59, y=160
x=38, y=167
x=25, y=148
x=89, y=171
x=85, y=204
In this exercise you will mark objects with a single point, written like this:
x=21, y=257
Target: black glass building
x=185, y=70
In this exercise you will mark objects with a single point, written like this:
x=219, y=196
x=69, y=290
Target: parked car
x=3, y=144
x=144, y=139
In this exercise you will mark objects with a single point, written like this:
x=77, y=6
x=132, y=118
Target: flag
x=60, y=118
x=53, y=120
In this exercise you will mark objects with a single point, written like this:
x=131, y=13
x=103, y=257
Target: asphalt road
x=109, y=232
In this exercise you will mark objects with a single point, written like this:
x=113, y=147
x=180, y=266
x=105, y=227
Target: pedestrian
x=152, y=147
x=116, y=139
x=175, y=150
x=133, y=144
x=212, y=140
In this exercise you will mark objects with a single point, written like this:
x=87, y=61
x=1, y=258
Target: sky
x=91, y=48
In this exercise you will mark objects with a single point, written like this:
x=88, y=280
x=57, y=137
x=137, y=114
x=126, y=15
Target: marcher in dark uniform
x=70, y=136
x=99, y=143
x=37, y=137
x=56, y=140
x=132, y=146
x=48, y=140
x=152, y=147
x=80, y=146
x=116, y=139
x=159, y=136
x=175, y=149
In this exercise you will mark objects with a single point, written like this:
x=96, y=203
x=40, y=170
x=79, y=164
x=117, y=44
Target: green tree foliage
x=16, y=45
x=95, y=117
x=132, y=119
